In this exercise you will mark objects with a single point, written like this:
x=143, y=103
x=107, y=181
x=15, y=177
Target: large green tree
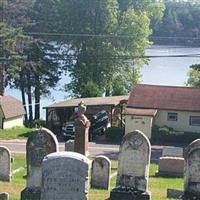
x=106, y=39
x=37, y=68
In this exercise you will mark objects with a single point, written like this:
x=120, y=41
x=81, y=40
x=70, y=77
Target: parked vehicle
x=99, y=123
x=68, y=131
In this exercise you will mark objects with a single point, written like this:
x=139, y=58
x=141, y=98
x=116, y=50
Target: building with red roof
x=172, y=106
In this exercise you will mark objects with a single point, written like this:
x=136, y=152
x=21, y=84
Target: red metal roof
x=165, y=97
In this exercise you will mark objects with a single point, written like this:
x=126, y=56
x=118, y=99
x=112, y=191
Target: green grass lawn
x=157, y=185
x=15, y=133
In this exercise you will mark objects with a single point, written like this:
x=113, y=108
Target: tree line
x=180, y=24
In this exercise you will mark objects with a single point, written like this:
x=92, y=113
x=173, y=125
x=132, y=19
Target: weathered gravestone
x=4, y=196
x=192, y=171
x=100, y=172
x=41, y=143
x=65, y=176
x=172, y=162
x=5, y=166
x=133, y=168
x=82, y=125
x=69, y=145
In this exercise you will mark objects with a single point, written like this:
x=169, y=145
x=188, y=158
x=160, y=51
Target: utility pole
x=2, y=55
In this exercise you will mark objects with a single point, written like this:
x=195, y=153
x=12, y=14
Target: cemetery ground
x=157, y=185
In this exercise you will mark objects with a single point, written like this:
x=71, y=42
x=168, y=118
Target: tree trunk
x=1, y=79
x=24, y=104
x=30, y=103
x=37, y=99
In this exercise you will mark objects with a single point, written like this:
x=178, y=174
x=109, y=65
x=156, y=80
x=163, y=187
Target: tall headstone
x=82, y=125
x=5, y=166
x=40, y=143
x=69, y=145
x=65, y=176
x=100, y=172
x=192, y=171
x=133, y=168
x=4, y=196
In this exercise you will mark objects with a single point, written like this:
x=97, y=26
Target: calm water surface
x=159, y=71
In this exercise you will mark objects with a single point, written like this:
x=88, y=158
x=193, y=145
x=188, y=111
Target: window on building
x=172, y=116
x=195, y=120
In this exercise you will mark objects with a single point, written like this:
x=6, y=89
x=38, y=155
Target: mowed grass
x=15, y=133
x=157, y=185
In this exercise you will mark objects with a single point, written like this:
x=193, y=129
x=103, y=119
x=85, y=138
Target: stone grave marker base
x=190, y=196
x=129, y=194
x=31, y=194
x=4, y=196
x=173, y=193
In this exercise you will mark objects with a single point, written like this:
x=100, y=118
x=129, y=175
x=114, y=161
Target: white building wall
x=13, y=122
x=142, y=123
x=182, y=123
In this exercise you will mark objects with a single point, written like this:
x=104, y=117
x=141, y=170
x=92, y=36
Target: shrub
x=115, y=134
x=39, y=123
x=164, y=135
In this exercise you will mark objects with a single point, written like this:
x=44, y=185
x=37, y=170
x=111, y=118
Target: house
x=64, y=111
x=176, y=107
x=11, y=112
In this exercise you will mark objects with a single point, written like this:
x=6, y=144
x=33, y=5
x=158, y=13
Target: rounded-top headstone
x=100, y=172
x=65, y=176
x=40, y=143
x=192, y=169
x=5, y=166
x=134, y=160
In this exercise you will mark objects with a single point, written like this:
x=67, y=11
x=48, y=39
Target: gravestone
x=65, y=176
x=192, y=171
x=133, y=168
x=69, y=145
x=4, y=196
x=82, y=125
x=100, y=172
x=172, y=162
x=170, y=151
x=172, y=166
x=5, y=166
x=40, y=143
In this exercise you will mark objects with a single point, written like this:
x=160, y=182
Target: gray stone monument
x=100, y=172
x=172, y=162
x=4, y=196
x=40, y=143
x=69, y=145
x=5, y=166
x=65, y=176
x=133, y=168
x=192, y=171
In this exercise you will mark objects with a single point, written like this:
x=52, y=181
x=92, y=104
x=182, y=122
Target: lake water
x=159, y=71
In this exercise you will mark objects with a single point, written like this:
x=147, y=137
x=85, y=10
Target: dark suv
x=99, y=123
x=68, y=131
